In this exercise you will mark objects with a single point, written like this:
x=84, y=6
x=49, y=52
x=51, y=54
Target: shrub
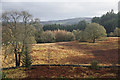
x=94, y=64
x=80, y=35
x=70, y=36
x=76, y=33
x=26, y=60
x=47, y=36
x=38, y=36
x=2, y=75
x=62, y=35
x=111, y=34
x=116, y=32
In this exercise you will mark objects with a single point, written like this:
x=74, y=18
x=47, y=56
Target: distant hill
x=67, y=21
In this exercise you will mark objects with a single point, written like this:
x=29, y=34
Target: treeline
x=92, y=32
x=81, y=26
x=110, y=21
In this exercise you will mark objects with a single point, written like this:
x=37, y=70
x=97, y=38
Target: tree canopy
x=94, y=31
x=108, y=20
x=81, y=26
x=17, y=33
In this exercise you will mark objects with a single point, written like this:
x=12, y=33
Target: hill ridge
x=67, y=21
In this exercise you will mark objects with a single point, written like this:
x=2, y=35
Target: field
x=105, y=52
x=37, y=72
x=79, y=53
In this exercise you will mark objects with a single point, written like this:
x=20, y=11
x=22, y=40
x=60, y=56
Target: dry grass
x=75, y=52
x=59, y=72
x=105, y=52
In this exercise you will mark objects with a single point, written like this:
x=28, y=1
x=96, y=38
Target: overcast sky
x=61, y=9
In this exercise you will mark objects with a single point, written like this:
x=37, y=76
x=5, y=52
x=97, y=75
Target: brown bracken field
x=73, y=53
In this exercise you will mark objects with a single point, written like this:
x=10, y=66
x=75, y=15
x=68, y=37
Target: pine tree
x=26, y=58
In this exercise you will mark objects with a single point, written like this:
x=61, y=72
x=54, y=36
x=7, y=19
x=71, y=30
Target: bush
x=47, y=36
x=94, y=64
x=70, y=36
x=76, y=33
x=62, y=35
x=26, y=60
x=80, y=35
x=2, y=75
x=38, y=36
x=111, y=34
x=116, y=32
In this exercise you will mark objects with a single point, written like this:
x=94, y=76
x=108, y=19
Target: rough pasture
x=105, y=52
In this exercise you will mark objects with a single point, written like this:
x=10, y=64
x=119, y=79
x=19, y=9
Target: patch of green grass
x=15, y=73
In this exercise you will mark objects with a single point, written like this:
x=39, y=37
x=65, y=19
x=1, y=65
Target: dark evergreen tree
x=108, y=20
x=26, y=61
x=96, y=19
x=81, y=25
x=118, y=19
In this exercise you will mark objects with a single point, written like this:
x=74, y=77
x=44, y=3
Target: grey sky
x=46, y=10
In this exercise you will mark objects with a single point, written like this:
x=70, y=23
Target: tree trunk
x=19, y=58
x=16, y=59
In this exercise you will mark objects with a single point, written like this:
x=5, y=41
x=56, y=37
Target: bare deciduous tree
x=17, y=32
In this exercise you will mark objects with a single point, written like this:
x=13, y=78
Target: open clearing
x=105, y=52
